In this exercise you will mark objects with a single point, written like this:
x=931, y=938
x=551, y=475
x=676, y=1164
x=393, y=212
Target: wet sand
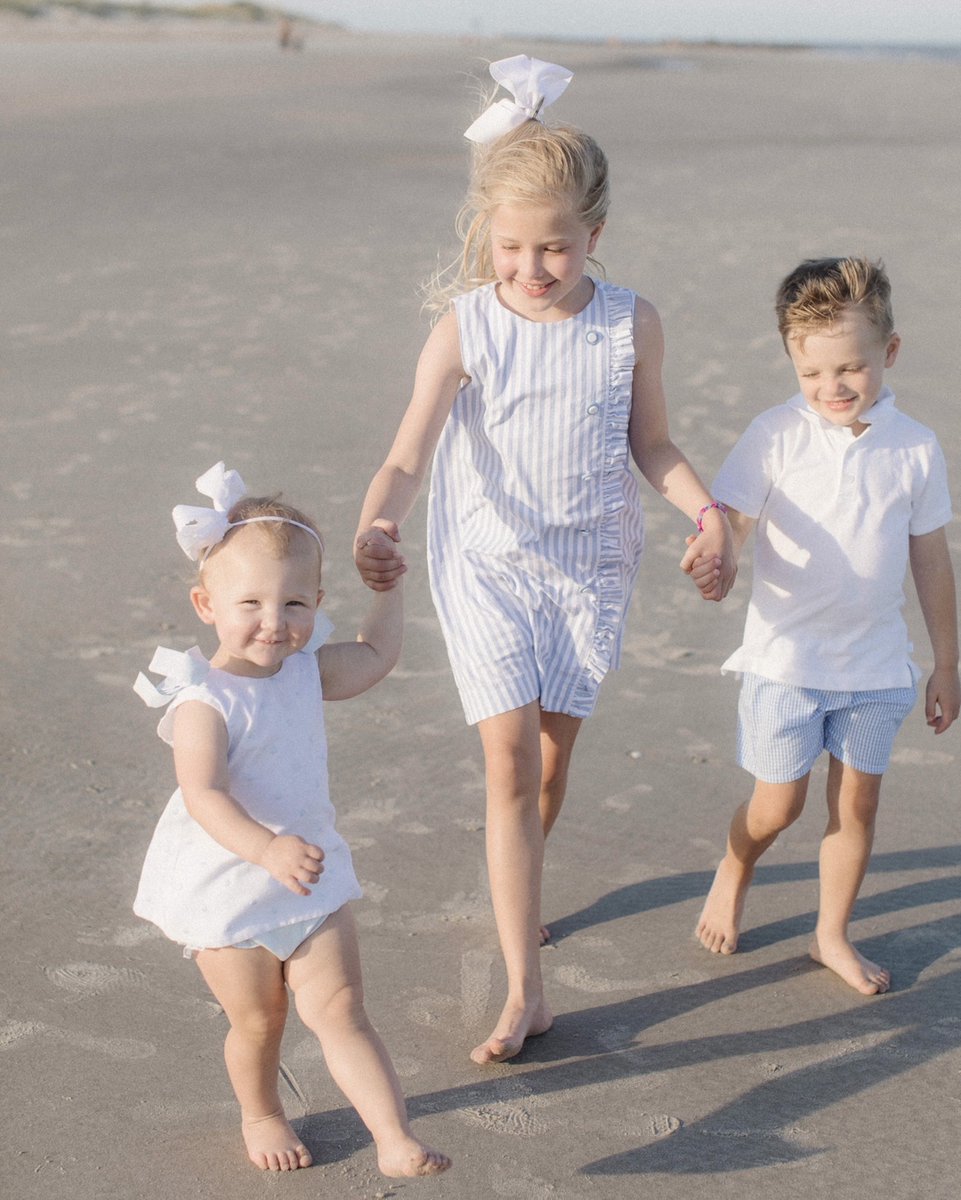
x=211, y=250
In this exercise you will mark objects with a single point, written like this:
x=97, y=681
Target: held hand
x=377, y=558
x=706, y=571
x=293, y=862
x=942, y=701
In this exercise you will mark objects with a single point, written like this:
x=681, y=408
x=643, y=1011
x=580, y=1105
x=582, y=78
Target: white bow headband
x=200, y=529
x=534, y=84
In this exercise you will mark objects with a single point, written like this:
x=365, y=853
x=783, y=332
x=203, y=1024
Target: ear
x=320, y=596
x=894, y=345
x=593, y=239
x=200, y=599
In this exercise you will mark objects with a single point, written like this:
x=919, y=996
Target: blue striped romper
x=535, y=525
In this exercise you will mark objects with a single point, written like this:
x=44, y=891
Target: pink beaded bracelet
x=706, y=509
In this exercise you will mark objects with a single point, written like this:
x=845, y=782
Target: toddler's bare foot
x=847, y=961
x=408, y=1157
x=517, y=1023
x=544, y=934
x=720, y=921
x=272, y=1145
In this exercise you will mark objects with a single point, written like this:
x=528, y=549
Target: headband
x=534, y=84
x=200, y=529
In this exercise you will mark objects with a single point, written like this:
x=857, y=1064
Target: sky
x=935, y=22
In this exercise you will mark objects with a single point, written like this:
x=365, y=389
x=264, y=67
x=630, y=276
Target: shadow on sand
x=889, y=1034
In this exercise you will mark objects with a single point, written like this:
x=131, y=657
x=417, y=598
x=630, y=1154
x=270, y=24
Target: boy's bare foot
x=544, y=935
x=720, y=921
x=272, y=1144
x=516, y=1024
x=408, y=1157
x=847, y=961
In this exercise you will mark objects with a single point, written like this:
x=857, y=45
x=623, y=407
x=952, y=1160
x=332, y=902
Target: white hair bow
x=534, y=84
x=180, y=668
x=200, y=528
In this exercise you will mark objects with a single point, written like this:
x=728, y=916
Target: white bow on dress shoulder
x=180, y=668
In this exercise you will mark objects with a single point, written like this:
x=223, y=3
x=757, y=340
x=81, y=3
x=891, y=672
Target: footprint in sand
x=515, y=1115
x=92, y=979
x=126, y=1049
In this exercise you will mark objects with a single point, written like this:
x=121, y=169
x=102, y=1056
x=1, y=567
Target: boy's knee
x=778, y=806
x=863, y=810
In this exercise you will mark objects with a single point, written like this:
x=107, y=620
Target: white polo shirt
x=834, y=513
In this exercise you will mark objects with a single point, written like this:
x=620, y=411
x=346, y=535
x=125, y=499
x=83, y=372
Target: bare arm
x=934, y=580
x=349, y=668
x=200, y=759
x=661, y=462
x=394, y=488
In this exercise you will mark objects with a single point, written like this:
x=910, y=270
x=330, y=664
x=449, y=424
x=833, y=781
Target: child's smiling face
x=539, y=254
x=262, y=607
x=840, y=368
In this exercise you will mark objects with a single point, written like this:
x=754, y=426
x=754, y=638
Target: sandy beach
x=212, y=250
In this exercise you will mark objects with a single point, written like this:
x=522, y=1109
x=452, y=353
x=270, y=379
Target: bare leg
x=324, y=975
x=754, y=827
x=249, y=986
x=515, y=859
x=845, y=851
x=558, y=734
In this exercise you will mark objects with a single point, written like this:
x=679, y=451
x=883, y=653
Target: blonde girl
x=536, y=387
x=246, y=868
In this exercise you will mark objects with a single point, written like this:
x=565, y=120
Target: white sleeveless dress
x=201, y=894
x=535, y=525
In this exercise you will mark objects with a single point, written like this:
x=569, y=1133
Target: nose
x=836, y=389
x=532, y=265
x=272, y=620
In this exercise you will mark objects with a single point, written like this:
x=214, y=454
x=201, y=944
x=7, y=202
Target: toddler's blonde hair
x=533, y=164
x=279, y=534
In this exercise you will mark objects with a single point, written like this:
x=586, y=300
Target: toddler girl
x=245, y=867
x=537, y=386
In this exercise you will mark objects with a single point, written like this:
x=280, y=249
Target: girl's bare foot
x=720, y=921
x=847, y=961
x=272, y=1144
x=517, y=1023
x=408, y=1157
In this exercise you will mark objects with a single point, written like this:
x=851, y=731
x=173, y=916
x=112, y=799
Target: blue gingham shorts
x=781, y=729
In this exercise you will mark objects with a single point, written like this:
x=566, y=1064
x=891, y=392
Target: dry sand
x=210, y=250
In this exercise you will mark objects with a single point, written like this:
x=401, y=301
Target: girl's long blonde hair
x=533, y=164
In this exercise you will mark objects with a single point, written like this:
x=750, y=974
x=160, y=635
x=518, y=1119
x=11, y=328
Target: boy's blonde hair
x=281, y=536
x=815, y=294
x=533, y=164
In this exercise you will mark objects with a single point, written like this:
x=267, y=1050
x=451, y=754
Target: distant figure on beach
x=844, y=491
x=537, y=386
x=246, y=868
x=287, y=38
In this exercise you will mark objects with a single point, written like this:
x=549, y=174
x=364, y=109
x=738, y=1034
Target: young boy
x=844, y=490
